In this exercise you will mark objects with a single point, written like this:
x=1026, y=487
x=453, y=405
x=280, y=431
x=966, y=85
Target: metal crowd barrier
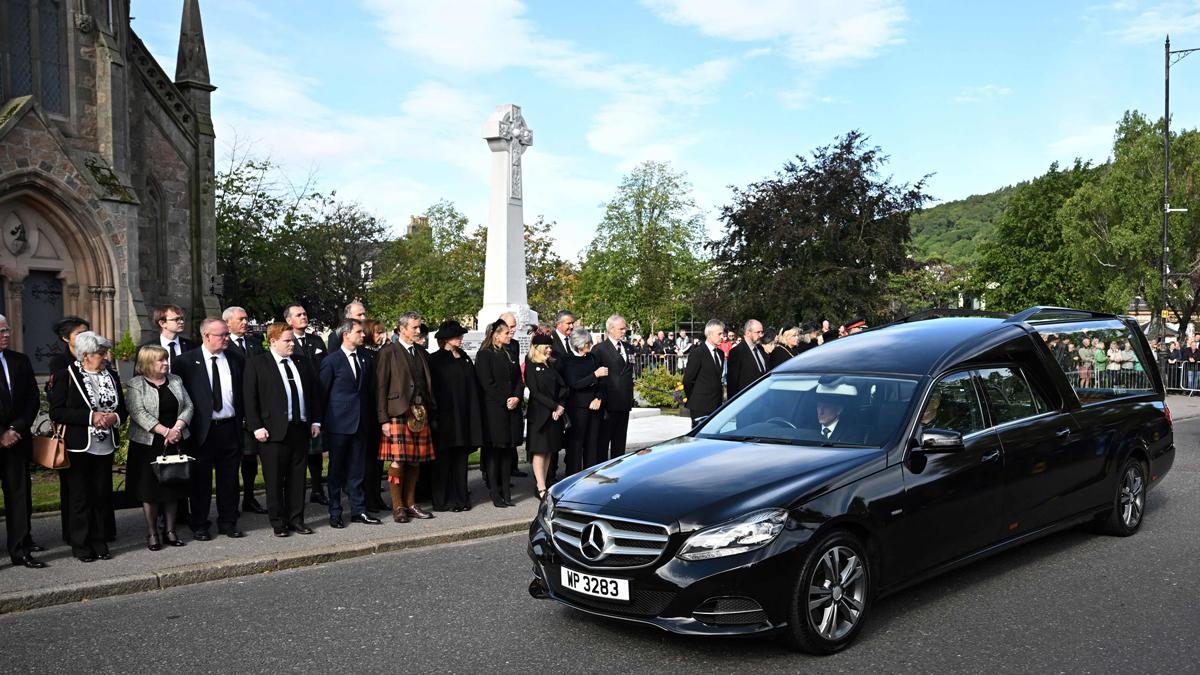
x=674, y=363
x=1181, y=376
x=1126, y=378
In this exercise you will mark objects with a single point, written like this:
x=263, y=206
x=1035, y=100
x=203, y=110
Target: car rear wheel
x=831, y=596
x=1129, y=501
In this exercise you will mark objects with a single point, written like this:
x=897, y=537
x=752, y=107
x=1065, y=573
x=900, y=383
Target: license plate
x=600, y=587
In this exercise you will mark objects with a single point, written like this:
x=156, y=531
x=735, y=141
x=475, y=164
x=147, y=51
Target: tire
x=1129, y=501
x=825, y=615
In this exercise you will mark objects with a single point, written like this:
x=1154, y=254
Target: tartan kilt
x=400, y=444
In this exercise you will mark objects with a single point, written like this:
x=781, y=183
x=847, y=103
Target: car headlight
x=751, y=531
x=546, y=512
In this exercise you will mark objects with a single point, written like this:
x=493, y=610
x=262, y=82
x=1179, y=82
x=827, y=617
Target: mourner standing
x=547, y=398
x=500, y=381
x=459, y=428
x=404, y=404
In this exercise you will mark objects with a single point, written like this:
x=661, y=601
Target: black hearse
x=860, y=467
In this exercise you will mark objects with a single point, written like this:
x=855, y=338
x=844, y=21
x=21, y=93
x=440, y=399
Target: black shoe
x=105, y=556
x=509, y=502
x=336, y=522
x=365, y=519
x=231, y=531
x=173, y=539
x=34, y=548
x=252, y=506
x=519, y=474
x=301, y=529
x=318, y=497
x=87, y=558
x=28, y=561
x=283, y=533
x=457, y=509
x=153, y=542
x=201, y=535
x=499, y=503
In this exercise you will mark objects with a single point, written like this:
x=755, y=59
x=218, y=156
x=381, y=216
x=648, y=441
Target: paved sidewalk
x=135, y=569
x=1183, y=407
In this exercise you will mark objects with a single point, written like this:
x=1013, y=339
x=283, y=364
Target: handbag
x=173, y=469
x=51, y=451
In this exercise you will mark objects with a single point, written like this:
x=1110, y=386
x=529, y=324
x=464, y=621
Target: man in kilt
x=405, y=404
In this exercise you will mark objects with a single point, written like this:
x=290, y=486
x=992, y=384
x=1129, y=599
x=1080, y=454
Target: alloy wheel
x=837, y=592
x=1133, y=496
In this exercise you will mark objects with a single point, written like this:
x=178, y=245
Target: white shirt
x=352, y=357
x=166, y=344
x=566, y=343
x=620, y=349
x=226, y=410
x=287, y=390
x=832, y=426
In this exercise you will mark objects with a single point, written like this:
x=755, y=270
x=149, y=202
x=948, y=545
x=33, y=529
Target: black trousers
x=284, y=462
x=613, y=431
x=583, y=439
x=499, y=468
x=448, y=488
x=18, y=496
x=90, y=481
x=221, y=453
x=249, y=465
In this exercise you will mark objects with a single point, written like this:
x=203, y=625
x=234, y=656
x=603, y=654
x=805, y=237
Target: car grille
x=630, y=543
x=730, y=611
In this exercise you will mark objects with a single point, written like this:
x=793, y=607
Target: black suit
x=618, y=400
x=19, y=403
x=217, y=444
x=286, y=448
x=185, y=345
x=702, y=381
x=311, y=348
x=745, y=366
x=252, y=347
x=559, y=352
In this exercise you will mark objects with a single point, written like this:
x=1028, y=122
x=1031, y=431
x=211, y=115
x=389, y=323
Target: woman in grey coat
x=159, y=412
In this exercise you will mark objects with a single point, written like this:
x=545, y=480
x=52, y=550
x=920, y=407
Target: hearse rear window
x=1101, y=359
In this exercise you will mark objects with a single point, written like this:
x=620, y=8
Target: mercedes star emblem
x=594, y=540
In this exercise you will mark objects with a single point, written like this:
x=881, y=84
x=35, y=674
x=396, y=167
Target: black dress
x=500, y=379
x=547, y=392
x=457, y=427
x=141, y=483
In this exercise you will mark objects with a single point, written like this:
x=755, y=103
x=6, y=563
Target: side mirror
x=941, y=440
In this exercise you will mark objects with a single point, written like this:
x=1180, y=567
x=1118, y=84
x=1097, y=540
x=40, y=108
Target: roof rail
x=1047, y=313
x=943, y=312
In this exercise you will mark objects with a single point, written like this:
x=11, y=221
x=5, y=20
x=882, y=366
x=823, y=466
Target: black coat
x=499, y=379
x=781, y=355
x=266, y=395
x=559, y=351
x=185, y=345
x=459, y=415
x=580, y=376
x=702, y=381
x=618, y=386
x=23, y=390
x=742, y=369
x=547, y=391
x=311, y=348
x=253, y=346
x=194, y=371
x=69, y=406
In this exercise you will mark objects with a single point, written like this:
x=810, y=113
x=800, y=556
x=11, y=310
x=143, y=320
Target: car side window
x=1009, y=395
x=1102, y=360
x=954, y=405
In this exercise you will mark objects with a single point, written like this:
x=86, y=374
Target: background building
x=106, y=172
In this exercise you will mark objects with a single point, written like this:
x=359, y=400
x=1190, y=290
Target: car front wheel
x=831, y=596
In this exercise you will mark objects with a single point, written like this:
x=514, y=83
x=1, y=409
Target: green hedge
x=659, y=387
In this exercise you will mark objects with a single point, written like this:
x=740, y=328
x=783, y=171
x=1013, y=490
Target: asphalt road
x=1073, y=602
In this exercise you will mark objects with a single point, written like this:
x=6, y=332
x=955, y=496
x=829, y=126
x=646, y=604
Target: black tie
x=295, y=395
x=218, y=400
x=354, y=367
x=826, y=431
x=758, y=360
x=717, y=357
x=412, y=350
x=242, y=344
x=173, y=352
x=5, y=389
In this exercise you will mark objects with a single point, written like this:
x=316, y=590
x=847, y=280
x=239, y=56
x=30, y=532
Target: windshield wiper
x=754, y=439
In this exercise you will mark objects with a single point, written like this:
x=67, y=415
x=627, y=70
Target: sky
x=384, y=100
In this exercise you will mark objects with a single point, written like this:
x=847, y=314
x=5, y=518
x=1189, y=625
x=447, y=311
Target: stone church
x=106, y=172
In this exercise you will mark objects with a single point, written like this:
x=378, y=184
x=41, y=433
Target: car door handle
x=1063, y=433
x=990, y=456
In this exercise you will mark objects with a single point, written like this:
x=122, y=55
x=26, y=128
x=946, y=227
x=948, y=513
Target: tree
x=819, y=239
x=1112, y=226
x=926, y=285
x=551, y=279
x=436, y=270
x=1026, y=262
x=646, y=260
x=339, y=242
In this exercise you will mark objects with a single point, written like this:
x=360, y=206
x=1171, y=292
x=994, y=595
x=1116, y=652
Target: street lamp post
x=1170, y=58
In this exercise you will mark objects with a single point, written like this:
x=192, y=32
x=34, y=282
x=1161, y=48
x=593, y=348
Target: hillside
x=954, y=230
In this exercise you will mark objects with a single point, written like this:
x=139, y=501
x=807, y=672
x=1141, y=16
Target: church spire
x=192, y=65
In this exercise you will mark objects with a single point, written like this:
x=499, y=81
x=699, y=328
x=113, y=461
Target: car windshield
x=811, y=409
